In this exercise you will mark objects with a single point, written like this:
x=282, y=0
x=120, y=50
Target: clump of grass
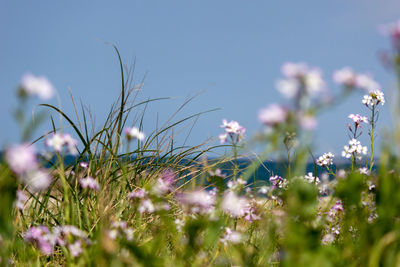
x=133, y=198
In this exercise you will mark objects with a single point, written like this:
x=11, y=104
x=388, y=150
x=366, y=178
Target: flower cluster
x=298, y=76
x=233, y=130
x=347, y=77
x=374, y=98
x=357, y=118
x=40, y=86
x=58, y=142
x=67, y=236
x=120, y=229
x=310, y=178
x=325, y=160
x=354, y=148
x=277, y=181
x=89, y=182
x=231, y=236
x=273, y=115
x=198, y=201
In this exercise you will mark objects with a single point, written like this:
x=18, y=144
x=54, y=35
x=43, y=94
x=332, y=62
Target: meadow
x=126, y=197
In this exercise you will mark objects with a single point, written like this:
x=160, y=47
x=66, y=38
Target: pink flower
x=198, y=200
x=58, y=141
x=357, y=118
x=21, y=158
x=138, y=193
x=21, y=199
x=345, y=76
x=39, y=86
x=294, y=70
x=40, y=236
x=273, y=115
x=89, y=182
x=234, y=205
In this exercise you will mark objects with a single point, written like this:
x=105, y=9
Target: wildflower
x=325, y=160
x=328, y=239
x=233, y=204
x=357, y=118
x=89, y=182
x=354, y=147
x=308, y=122
x=39, y=86
x=277, y=181
x=367, y=83
x=138, y=193
x=217, y=172
x=294, y=70
x=83, y=164
x=179, y=224
x=21, y=199
x=273, y=115
x=345, y=76
x=289, y=87
x=75, y=248
x=313, y=81
x=41, y=237
x=374, y=98
x=58, y=141
x=165, y=182
x=231, y=236
x=233, y=130
x=134, y=133
x=263, y=190
x=311, y=179
x=21, y=158
x=371, y=185
x=199, y=201
x=250, y=214
x=37, y=180
x=235, y=184
x=364, y=170
x=120, y=229
x=146, y=206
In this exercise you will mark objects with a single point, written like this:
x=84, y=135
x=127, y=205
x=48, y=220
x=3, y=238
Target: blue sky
x=233, y=50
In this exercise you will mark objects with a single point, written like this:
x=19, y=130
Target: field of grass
x=130, y=198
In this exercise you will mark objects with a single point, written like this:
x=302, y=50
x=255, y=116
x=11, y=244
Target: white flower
x=58, y=141
x=75, y=248
x=364, y=170
x=233, y=204
x=134, y=133
x=314, y=82
x=288, y=88
x=294, y=70
x=325, y=160
x=37, y=180
x=354, y=147
x=345, y=76
x=357, y=118
x=21, y=158
x=231, y=236
x=311, y=179
x=146, y=206
x=39, y=86
x=367, y=83
x=374, y=98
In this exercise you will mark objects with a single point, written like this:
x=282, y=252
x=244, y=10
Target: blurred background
x=231, y=51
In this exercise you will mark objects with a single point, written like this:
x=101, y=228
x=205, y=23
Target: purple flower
x=277, y=181
x=138, y=193
x=357, y=118
x=41, y=237
x=21, y=199
x=165, y=182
